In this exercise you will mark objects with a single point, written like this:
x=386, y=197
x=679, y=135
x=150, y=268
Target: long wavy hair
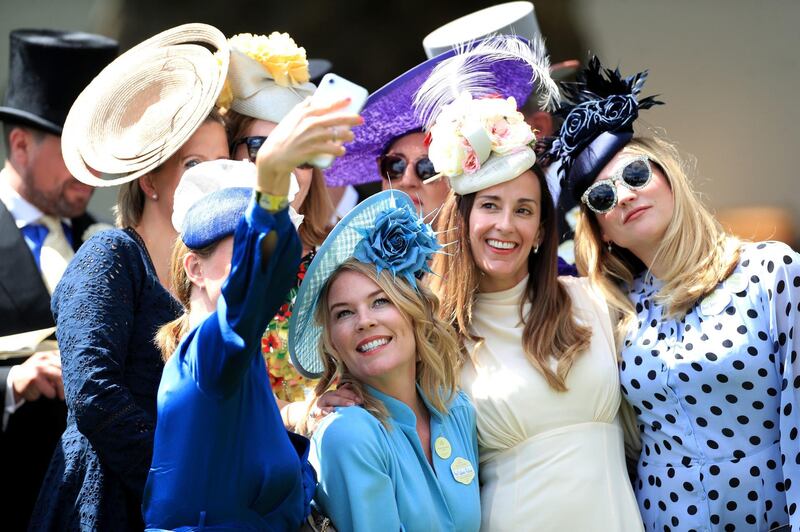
x=696, y=252
x=317, y=208
x=550, y=327
x=436, y=345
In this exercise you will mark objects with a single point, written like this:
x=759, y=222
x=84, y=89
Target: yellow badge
x=462, y=470
x=442, y=447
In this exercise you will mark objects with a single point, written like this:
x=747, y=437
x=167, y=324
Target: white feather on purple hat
x=389, y=114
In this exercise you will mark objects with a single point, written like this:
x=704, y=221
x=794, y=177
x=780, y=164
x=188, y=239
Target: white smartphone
x=333, y=88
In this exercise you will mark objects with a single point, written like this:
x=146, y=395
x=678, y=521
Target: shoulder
x=106, y=259
x=111, y=243
x=461, y=404
x=461, y=409
x=770, y=255
x=337, y=429
x=584, y=294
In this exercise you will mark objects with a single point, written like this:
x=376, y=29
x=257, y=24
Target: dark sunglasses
x=636, y=174
x=394, y=166
x=253, y=145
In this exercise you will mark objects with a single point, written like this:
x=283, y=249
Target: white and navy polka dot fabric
x=716, y=396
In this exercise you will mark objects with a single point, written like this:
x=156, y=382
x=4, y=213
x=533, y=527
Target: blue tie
x=34, y=235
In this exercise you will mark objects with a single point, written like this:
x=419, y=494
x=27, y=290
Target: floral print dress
x=286, y=382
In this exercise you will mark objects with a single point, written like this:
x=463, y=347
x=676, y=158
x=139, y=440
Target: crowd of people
x=246, y=350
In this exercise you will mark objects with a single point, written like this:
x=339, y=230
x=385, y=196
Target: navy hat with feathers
x=601, y=107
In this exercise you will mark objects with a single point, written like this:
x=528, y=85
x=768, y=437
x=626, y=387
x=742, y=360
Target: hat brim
x=304, y=332
x=18, y=116
x=145, y=105
x=389, y=114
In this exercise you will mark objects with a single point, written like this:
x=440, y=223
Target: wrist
x=271, y=202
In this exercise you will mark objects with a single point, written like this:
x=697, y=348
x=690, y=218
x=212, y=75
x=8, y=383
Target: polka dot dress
x=716, y=396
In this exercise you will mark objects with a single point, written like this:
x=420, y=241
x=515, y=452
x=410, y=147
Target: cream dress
x=548, y=460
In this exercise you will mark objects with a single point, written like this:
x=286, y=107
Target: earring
x=608, y=247
x=536, y=250
x=154, y=196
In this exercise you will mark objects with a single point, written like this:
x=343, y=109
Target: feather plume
x=470, y=69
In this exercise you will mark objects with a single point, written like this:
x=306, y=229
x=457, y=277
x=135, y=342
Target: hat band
x=497, y=169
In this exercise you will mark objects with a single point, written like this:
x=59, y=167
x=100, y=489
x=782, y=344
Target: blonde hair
x=550, y=327
x=169, y=335
x=695, y=252
x=317, y=208
x=130, y=198
x=436, y=345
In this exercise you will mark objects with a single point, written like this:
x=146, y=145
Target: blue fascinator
x=215, y=216
x=600, y=107
x=383, y=230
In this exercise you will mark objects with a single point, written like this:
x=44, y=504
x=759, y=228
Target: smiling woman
x=529, y=336
x=362, y=318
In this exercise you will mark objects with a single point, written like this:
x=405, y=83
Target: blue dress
x=716, y=397
x=107, y=307
x=222, y=457
x=374, y=478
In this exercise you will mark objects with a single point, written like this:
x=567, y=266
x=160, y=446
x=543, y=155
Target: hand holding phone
x=333, y=88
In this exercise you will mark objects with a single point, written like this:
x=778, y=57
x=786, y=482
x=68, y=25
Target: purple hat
x=388, y=114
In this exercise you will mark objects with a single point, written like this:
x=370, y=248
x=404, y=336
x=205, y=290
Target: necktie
x=56, y=252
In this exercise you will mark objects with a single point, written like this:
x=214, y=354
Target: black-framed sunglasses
x=393, y=166
x=253, y=145
x=635, y=174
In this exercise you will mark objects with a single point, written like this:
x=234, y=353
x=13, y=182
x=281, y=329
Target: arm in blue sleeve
x=94, y=309
x=266, y=254
x=784, y=312
x=355, y=488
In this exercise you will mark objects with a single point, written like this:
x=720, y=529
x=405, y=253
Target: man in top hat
x=42, y=221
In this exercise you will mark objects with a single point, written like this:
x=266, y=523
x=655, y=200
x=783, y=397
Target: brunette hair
x=696, y=252
x=317, y=208
x=550, y=327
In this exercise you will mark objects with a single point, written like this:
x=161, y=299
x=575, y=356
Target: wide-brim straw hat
x=145, y=105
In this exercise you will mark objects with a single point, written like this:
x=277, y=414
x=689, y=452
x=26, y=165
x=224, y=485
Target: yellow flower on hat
x=285, y=62
x=225, y=97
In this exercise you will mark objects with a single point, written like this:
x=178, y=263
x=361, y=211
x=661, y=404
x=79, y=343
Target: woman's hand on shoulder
x=310, y=129
x=342, y=396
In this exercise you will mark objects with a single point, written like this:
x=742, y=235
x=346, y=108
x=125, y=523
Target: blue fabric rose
x=399, y=242
x=580, y=121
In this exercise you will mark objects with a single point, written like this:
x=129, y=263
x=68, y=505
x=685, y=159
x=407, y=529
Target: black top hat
x=48, y=69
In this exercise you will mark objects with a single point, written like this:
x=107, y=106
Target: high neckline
x=510, y=295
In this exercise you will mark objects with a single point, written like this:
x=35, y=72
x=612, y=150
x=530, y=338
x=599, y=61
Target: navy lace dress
x=107, y=307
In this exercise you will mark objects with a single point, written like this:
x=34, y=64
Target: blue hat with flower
x=383, y=230
x=600, y=111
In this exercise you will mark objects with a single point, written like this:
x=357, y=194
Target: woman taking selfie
x=222, y=456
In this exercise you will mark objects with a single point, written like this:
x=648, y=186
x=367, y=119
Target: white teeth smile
x=369, y=346
x=499, y=244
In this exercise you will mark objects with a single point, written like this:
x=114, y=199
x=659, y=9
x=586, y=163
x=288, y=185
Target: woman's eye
x=488, y=205
x=342, y=314
x=525, y=211
x=380, y=302
x=191, y=162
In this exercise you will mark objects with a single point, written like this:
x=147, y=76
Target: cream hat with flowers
x=268, y=76
x=145, y=105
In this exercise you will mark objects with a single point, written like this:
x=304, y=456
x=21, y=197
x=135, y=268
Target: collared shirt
x=24, y=212
x=376, y=478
